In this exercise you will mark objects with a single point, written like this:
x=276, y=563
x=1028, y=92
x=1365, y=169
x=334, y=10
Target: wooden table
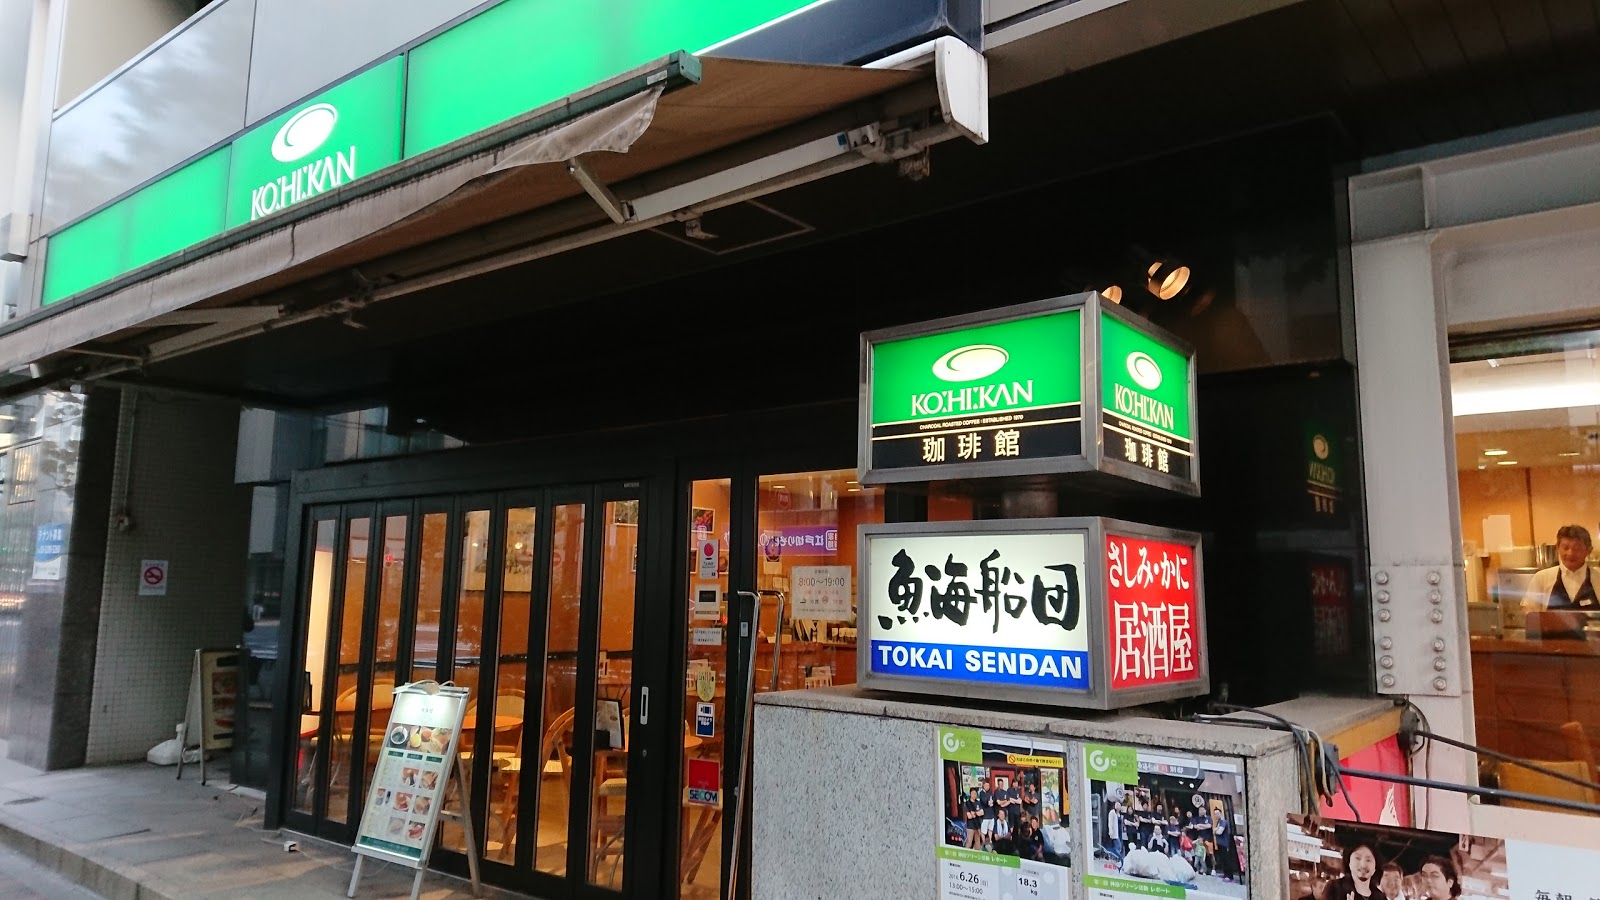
x=469, y=722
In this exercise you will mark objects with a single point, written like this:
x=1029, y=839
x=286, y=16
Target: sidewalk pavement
x=134, y=832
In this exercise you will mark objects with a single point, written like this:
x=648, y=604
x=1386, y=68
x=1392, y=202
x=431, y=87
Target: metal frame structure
x=1099, y=695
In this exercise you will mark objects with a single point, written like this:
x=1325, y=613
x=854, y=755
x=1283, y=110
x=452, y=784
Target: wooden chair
x=1527, y=781
x=1578, y=746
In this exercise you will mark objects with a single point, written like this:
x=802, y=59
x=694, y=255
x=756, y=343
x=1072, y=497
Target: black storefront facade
x=586, y=452
x=625, y=401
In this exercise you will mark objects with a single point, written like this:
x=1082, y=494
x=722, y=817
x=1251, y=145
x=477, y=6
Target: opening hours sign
x=1080, y=612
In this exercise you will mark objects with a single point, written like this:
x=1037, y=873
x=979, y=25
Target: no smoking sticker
x=153, y=578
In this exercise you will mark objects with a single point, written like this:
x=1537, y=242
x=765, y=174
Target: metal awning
x=651, y=156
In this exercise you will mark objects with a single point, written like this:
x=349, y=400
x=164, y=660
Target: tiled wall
x=186, y=509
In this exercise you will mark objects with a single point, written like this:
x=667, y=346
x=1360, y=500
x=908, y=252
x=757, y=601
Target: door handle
x=644, y=705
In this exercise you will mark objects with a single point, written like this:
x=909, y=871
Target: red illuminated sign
x=1153, y=608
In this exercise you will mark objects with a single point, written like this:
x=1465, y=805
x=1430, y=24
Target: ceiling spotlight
x=1167, y=278
x=1112, y=293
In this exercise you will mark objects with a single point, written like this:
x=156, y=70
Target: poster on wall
x=49, y=552
x=418, y=750
x=1004, y=818
x=1336, y=859
x=1165, y=823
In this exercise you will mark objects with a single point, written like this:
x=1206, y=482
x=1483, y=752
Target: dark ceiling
x=1361, y=78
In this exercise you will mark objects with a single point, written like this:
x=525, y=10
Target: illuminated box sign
x=1070, y=384
x=1080, y=612
x=323, y=143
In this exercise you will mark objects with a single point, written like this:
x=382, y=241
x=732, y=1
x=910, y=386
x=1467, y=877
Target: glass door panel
x=511, y=681
x=319, y=607
x=386, y=638
x=806, y=549
x=552, y=802
x=608, y=739
x=465, y=661
x=705, y=686
x=430, y=597
x=346, y=670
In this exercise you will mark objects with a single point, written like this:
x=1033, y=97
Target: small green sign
x=1133, y=887
x=1105, y=762
x=961, y=854
x=962, y=745
x=996, y=392
x=1145, y=395
x=342, y=134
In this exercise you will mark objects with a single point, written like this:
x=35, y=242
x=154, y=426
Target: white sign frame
x=1094, y=614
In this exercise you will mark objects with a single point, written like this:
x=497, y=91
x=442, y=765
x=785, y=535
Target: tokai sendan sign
x=1064, y=385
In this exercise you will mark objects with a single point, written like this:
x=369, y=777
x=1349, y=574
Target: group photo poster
x=1005, y=817
x=1164, y=823
x=1334, y=860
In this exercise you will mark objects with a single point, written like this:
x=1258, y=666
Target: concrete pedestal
x=847, y=801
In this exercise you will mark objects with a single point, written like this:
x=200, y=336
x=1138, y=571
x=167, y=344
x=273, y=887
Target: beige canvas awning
x=650, y=140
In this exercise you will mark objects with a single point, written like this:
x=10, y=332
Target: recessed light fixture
x=1495, y=452
x=1167, y=279
x=1113, y=293
x=1506, y=462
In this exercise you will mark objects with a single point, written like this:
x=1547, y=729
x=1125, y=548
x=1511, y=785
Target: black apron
x=1586, y=598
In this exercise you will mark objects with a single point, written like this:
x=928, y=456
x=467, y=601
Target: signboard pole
x=420, y=752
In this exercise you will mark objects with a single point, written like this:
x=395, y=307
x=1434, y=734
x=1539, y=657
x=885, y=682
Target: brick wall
x=186, y=509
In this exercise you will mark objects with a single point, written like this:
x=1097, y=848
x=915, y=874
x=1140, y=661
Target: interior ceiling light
x=1495, y=452
x=1167, y=278
x=1538, y=384
x=1568, y=453
x=1506, y=462
x=1113, y=293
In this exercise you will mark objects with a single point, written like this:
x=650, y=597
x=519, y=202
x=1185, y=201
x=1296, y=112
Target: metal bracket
x=618, y=210
x=1414, y=630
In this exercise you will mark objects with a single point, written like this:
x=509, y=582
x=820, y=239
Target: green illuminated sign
x=324, y=142
x=1145, y=392
x=507, y=60
x=1003, y=393
x=998, y=391
x=523, y=54
x=158, y=220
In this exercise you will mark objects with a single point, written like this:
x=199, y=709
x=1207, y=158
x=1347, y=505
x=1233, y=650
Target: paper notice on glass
x=706, y=558
x=821, y=592
x=1497, y=533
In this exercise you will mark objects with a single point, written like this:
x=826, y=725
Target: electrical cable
x=1320, y=781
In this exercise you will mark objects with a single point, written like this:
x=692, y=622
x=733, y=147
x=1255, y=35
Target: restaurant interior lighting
x=1113, y=293
x=1495, y=452
x=1167, y=278
x=1568, y=453
x=1506, y=462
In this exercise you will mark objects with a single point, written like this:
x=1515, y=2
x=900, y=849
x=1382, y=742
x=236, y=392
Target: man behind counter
x=1570, y=585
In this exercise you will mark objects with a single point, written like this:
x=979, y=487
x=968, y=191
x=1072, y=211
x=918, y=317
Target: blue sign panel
x=991, y=665
x=49, y=548
x=705, y=722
